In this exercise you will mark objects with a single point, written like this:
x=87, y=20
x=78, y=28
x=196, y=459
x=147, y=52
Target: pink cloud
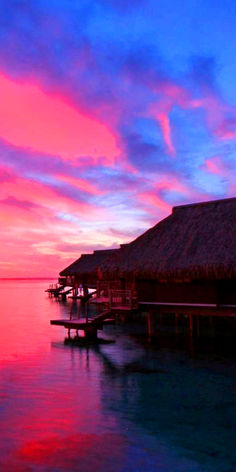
x=35, y=240
x=227, y=129
x=215, y=165
x=33, y=119
x=170, y=94
x=164, y=121
x=81, y=184
x=25, y=189
x=154, y=201
x=156, y=197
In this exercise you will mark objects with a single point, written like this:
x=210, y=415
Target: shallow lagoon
x=124, y=406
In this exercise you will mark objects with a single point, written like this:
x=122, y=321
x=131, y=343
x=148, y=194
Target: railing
x=62, y=281
x=104, y=287
x=123, y=298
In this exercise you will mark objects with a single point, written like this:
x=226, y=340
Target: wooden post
x=198, y=326
x=90, y=332
x=191, y=334
x=191, y=325
x=150, y=326
x=212, y=327
x=79, y=309
x=161, y=319
x=176, y=323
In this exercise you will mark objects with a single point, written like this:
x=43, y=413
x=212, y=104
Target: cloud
x=26, y=205
x=31, y=118
x=107, y=120
x=215, y=165
x=227, y=128
x=81, y=184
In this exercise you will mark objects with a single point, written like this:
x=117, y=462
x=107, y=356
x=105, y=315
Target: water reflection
x=120, y=406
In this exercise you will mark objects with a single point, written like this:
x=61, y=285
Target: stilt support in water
x=151, y=326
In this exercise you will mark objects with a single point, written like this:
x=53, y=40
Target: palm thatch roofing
x=87, y=264
x=196, y=241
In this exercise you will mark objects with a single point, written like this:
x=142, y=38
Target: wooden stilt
x=198, y=325
x=176, y=323
x=150, y=326
x=191, y=325
x=90, y=332
x=191, y=334
x=212, y=327
x=80, y=309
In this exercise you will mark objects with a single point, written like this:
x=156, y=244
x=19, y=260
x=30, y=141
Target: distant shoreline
x=28, y=278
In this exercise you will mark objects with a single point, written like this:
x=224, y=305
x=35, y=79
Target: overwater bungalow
x=85, y=270
x=185, y=263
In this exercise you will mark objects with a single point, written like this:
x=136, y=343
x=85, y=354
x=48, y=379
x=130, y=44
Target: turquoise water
x=123, y=406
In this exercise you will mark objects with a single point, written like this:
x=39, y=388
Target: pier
x=90, y=327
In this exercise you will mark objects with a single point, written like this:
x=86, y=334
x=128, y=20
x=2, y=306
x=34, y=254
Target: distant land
x=28, y=278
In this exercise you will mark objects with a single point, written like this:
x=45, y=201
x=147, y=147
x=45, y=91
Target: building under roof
x=196, y=241
x=85, y=269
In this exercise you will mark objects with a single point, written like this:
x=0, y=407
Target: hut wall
x=179, y=292
x=89, y=280
x=146, y=290
x=227, y=292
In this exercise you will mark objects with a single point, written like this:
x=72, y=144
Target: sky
x=111, y=113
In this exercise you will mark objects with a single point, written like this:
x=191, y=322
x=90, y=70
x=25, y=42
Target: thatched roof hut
x=197, y=241
x=87, y=265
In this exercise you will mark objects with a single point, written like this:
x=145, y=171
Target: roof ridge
x=204, y=203
x=104, y=251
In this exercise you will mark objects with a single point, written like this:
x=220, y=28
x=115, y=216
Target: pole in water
x=150, y=326
x=191, y=334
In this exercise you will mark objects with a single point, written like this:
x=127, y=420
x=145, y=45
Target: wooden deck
x=89, y=326
x=123, y=309
x=54, y=290
x=80, y=324
x=202, y=309
x=100, y=300
x=84, y=298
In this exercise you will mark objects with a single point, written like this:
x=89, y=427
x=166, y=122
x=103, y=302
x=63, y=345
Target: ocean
x=119, y=406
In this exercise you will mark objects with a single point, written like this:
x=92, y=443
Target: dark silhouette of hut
x=187, y=259
x=85, y=270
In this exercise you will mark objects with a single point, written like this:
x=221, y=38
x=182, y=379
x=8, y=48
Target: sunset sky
x=111, y=112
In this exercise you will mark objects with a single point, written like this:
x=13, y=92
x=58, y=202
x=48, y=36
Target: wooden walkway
x=54, y=290
x=64, y=293
x=202, y=309
x=84, y=298
x=89, y=326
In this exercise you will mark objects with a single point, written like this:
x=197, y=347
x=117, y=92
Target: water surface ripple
x=119, y=407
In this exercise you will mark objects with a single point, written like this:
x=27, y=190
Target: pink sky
x=105, y=127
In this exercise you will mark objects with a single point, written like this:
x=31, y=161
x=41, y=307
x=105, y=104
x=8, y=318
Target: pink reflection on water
x=82, y=452
x=24, y=321
x=78, y=451
x=52, y=416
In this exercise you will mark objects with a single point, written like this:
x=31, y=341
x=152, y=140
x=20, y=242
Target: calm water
x=118, y=407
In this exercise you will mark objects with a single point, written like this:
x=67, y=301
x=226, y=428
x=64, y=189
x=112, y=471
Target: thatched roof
x=195, y=241
x=88, y=264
